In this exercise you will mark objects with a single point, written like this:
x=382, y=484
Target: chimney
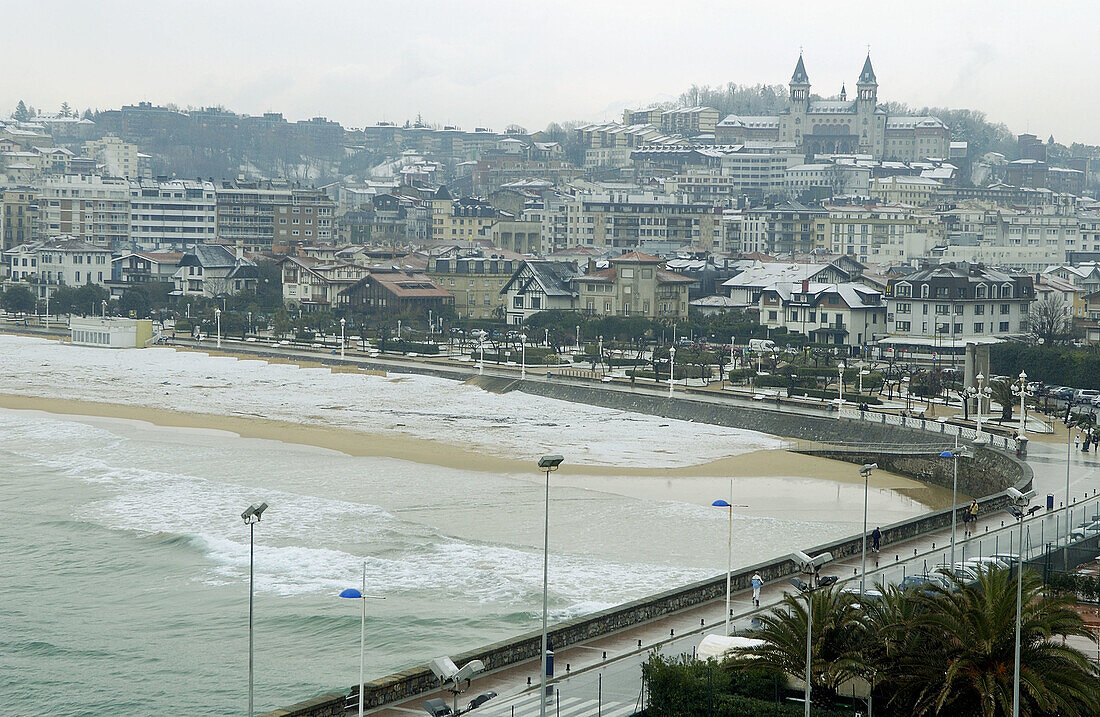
x=805, y=286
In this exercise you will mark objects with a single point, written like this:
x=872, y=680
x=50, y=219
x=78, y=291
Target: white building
x=110, y=332
x=61, y=261
x=172, y=214
x=845, y=314
x=748, y=284
x=213, y=270
x=539, y=286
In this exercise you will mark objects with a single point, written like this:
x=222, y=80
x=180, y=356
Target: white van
x=761, y=345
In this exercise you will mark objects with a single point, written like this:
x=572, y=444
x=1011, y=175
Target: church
x=842, y=126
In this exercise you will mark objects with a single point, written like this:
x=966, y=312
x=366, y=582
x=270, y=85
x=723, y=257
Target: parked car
x=963, y=572
x=1085, y=531
x=1085, y=395
x=986, y=562
x=925, y=583
x=869, y=594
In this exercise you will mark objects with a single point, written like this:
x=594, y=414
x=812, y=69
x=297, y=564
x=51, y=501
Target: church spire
x=800, y=77
x=843, y=92
x=867, y=76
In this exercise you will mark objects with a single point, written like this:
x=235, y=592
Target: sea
x=125, y=574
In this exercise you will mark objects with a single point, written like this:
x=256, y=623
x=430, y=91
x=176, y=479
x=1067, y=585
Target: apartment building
x=952, y=304
x=18, y=216
x=686, y=121
x=861, y=231
x=844, y=314
x=119, y=158
x=474, y=279
x=172, y=214
x=60, y=261
x=626, y=217
x=90, y=208
x=135, y=268
x=246, y=213
x=917, y=191
x=306, y=219
x=465, y=220
x=634, y=284
x=784, y=229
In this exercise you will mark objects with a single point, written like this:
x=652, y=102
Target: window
x=517, y=302
x=904, y=308
x=773, y=316
x=943, y=309
x=536, y=302
x=626, y=272
x=958, y=328
x=979, y=309
x=903, y=325
x=1004, y=326
x=978, y=328
x=607, y=307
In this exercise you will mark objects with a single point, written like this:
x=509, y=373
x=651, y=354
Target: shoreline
x=761, y=463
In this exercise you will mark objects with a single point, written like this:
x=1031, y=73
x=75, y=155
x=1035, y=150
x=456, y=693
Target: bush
x=414, y=347
x=184, y=326
x=741, y=374
x=830, y=394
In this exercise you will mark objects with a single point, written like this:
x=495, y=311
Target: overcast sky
x=478, y=63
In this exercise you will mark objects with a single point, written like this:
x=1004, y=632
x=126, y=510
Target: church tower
x=800, y=87
x=867, y=85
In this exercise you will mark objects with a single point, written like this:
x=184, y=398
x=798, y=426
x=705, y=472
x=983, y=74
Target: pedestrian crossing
x=527, y=705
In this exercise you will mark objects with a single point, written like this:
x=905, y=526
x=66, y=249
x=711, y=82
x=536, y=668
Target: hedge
x=831, y=394
x=1061, y=365
x=410, y=347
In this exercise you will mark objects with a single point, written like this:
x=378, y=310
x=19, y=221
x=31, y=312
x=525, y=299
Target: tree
x=18, y=299
x=1049, y=321
x=1001, y=392
x=134, y=302
x=835, y=640
x=963, y=662
x=66, y=110
x=21, y=113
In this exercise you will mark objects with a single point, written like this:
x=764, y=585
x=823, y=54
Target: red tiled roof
x=635, y=257
x=409, y=286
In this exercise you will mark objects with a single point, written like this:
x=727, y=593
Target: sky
x=489, y=64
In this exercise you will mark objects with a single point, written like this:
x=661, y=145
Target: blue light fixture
x=947, y=454
x=351, y=593
x=720, y=504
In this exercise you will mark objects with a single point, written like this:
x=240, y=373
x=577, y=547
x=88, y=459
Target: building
x=845, y=314
x=539, y=286
x=784, y=229
x=60, y=261
x=90, y=208
x=841, y=126
x=950, y=305
x=246, y=213
x=686, y=121
x=306, y=219
x=474, y=279
x=213, y=270
x=18, y=216
x=316, y=283
x=522, y=236
x=866, y=231
x=110, y=332
x=634, y=284
x=626, y=218
x=917, y=191
x=747, y=285
x=119, y=158
x=137, y=268
x=172, y=214
x=396, y=293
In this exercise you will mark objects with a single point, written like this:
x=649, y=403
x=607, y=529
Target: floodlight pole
x=549, y=464
x=1019, y=610
x=809, y=648
x=866, y=472
x=954, y=497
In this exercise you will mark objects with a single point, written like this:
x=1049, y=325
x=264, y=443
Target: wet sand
x=766, y=463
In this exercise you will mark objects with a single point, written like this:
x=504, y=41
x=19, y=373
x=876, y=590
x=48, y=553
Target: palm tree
x=965, y=661
x=1001, y=392
x=835, y=640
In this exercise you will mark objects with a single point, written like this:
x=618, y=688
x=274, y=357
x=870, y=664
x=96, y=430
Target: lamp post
x=1018, y=502
x=362, y=596
x=865, y=471
x=251, y=516
x=481, y=348
x=671, y=368
x=218, y=319
x=599, y=353
x=729, y=550
x=839, y=388
x=523, y=356
x=47, y=307
x=1023, y=404
x=980, y=393
x=954, y=494
x=548, y=464
x=577, y=344
x=342, y=322
x=103, y=304
x=862, y=373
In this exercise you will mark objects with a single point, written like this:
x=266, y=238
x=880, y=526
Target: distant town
x=840, y=220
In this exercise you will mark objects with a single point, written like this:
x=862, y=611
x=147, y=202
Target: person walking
x=1077, y=441
x=757, y=583
x=876, y=539
x=971, y=517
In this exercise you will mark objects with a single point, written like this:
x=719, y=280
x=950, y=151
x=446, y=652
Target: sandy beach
x=768, y=463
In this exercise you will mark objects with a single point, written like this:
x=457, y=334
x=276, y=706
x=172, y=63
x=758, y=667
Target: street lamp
x=481, y=348
x=1021, y=388
x=729, y=551
x=342, y=322
x=251, y=516
x=523, y=356
x=218, y=318
x=839, y=388
x=104, y=305
x=865, y=471
x=809, y=566
x=548, y=464
x=979, y=392
x=362, y=596
x=954, y=494
x=1016, y=507
x=577, y=345
x=671, y=368
x=599, y=354
x=862, y=373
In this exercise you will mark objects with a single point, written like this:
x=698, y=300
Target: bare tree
x=1049, y=321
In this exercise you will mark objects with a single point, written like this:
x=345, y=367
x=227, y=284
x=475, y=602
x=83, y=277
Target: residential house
x=539, y=285
x=395, y=292
x=312, y=283
x=844, y=314
x=634, y=284
x=213, y=270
